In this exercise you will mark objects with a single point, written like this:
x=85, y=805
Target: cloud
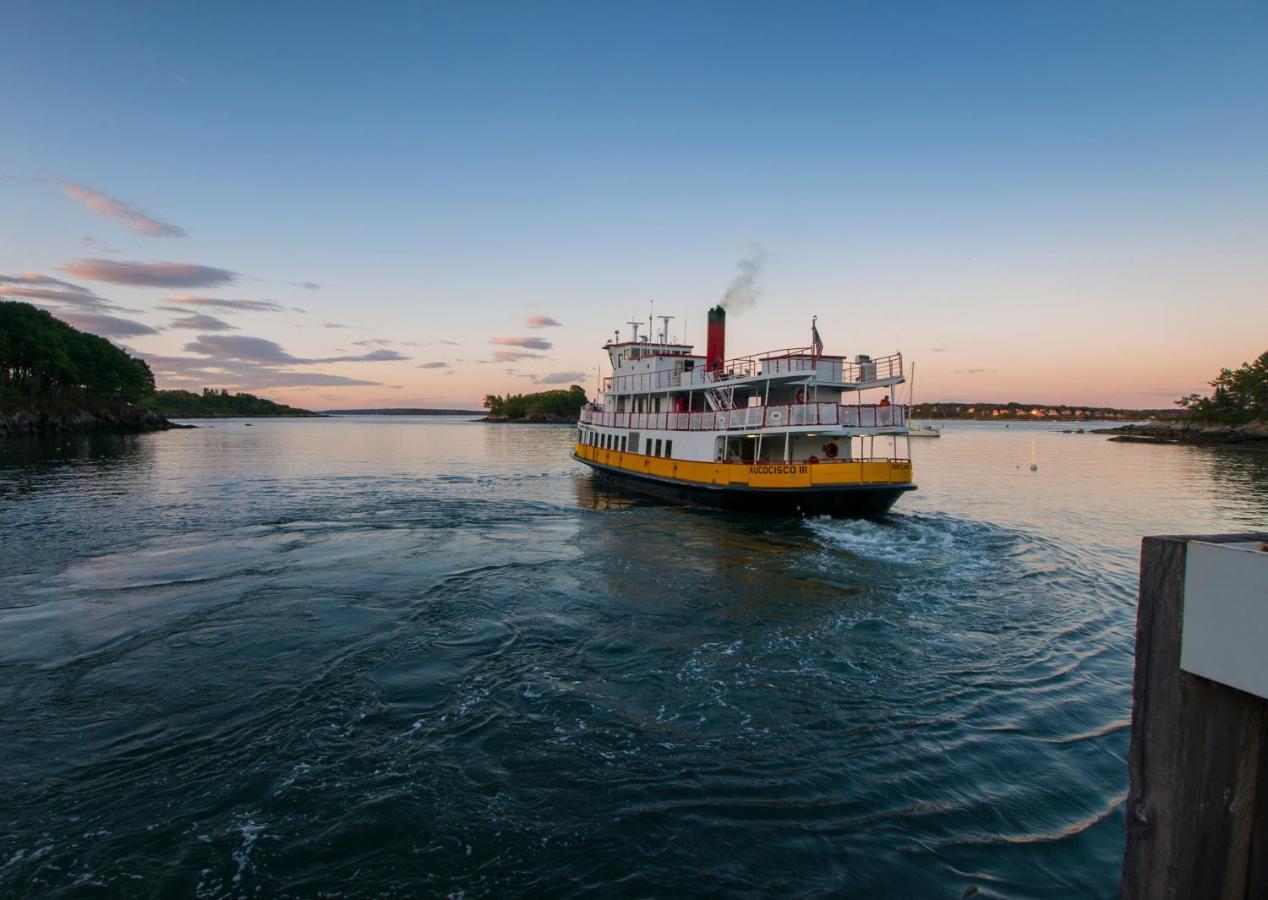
x=152, y=274
x=450, y=343
x=531, y=343
x=542, y=322
x=36, y=278
x=334, y=325
x=108, y=326
x=372, y=356
x=450, y=372
x=33, y=286
x=183, y=371
x=939, y=350
x=260, y=350
x=202, y=322
x=433, y=365
x=129, y=215
x=972, y=371
x=514, y=356
x=383, y=342
x=306, y=285
x=218, y=303
x=561, y=378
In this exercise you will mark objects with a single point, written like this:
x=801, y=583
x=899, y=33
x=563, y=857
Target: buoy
x=1034, y=467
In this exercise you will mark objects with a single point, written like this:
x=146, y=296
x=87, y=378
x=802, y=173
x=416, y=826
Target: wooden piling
x=1197, y=807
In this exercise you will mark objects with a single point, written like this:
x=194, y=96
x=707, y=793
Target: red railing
x=791, y=361
x=794, y=415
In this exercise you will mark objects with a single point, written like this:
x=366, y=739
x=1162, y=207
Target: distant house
x=1037, y=411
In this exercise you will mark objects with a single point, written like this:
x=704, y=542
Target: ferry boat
x=792, y=431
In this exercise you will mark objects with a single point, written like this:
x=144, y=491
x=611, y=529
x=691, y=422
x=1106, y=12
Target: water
x=381, y=657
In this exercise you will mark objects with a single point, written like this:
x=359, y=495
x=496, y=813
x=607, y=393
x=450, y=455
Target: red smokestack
x=715, y=353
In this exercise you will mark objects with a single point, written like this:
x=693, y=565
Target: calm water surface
x=407, y=656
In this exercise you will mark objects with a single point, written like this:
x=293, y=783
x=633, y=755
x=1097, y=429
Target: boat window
x=648, y=451
x=622, y=443
x=658, y=446
x=669, y=448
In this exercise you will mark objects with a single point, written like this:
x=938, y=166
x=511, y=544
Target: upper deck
x=662, y=372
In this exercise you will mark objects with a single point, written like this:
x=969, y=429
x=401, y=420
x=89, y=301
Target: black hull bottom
x=845, y=501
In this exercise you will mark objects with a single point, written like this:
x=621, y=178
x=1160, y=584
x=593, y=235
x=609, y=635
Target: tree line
x=560, y=404
x=1238, y=395
x=212, y=403
x=43, y=359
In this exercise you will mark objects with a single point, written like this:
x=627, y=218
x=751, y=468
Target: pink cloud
x=113, y=208
x=153, y=274
x=531, y=343
x=542, y=322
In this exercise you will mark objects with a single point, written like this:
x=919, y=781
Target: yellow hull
x=758, y=475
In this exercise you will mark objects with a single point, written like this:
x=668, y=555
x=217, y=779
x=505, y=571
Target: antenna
x=635, y=326
x=664, y=328
x=651, y=308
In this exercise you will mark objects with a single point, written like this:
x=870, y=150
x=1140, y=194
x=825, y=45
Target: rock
x=125, y=418
x=1250, y=436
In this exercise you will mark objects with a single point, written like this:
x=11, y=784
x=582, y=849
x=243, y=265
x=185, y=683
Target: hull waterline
x=843, y=501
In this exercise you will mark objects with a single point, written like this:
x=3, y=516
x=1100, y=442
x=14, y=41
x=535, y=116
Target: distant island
x=217, y=404
x=557, y=407
x=57, y=378
x=1033, y=412
x=402, y=411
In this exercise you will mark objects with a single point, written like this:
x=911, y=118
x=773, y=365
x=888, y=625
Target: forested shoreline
x=44, y=361
x=558, y=406
x=215, y=403
x=56, y=378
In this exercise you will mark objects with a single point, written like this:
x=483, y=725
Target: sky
x=417, y=204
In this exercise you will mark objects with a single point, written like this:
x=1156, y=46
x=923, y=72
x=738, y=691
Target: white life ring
x=776, y=416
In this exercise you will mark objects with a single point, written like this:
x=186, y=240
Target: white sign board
x=1225, y=630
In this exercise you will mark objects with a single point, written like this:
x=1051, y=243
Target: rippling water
x=404, y=656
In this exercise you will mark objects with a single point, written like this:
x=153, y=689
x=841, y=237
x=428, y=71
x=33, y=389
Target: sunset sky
x=416, y=204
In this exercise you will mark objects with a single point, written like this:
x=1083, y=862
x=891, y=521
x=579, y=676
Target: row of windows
x=604, y=441
x=601, y=440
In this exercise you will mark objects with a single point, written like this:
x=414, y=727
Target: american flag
x=815, y=340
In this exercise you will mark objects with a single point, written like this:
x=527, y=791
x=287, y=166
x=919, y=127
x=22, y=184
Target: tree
x=43, y=358
x=1239, y=394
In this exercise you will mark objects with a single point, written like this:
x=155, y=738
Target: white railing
x=800, y=361
x=793, y=415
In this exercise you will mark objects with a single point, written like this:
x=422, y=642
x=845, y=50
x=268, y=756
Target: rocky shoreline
x=1251, y=436
x=122, y=419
